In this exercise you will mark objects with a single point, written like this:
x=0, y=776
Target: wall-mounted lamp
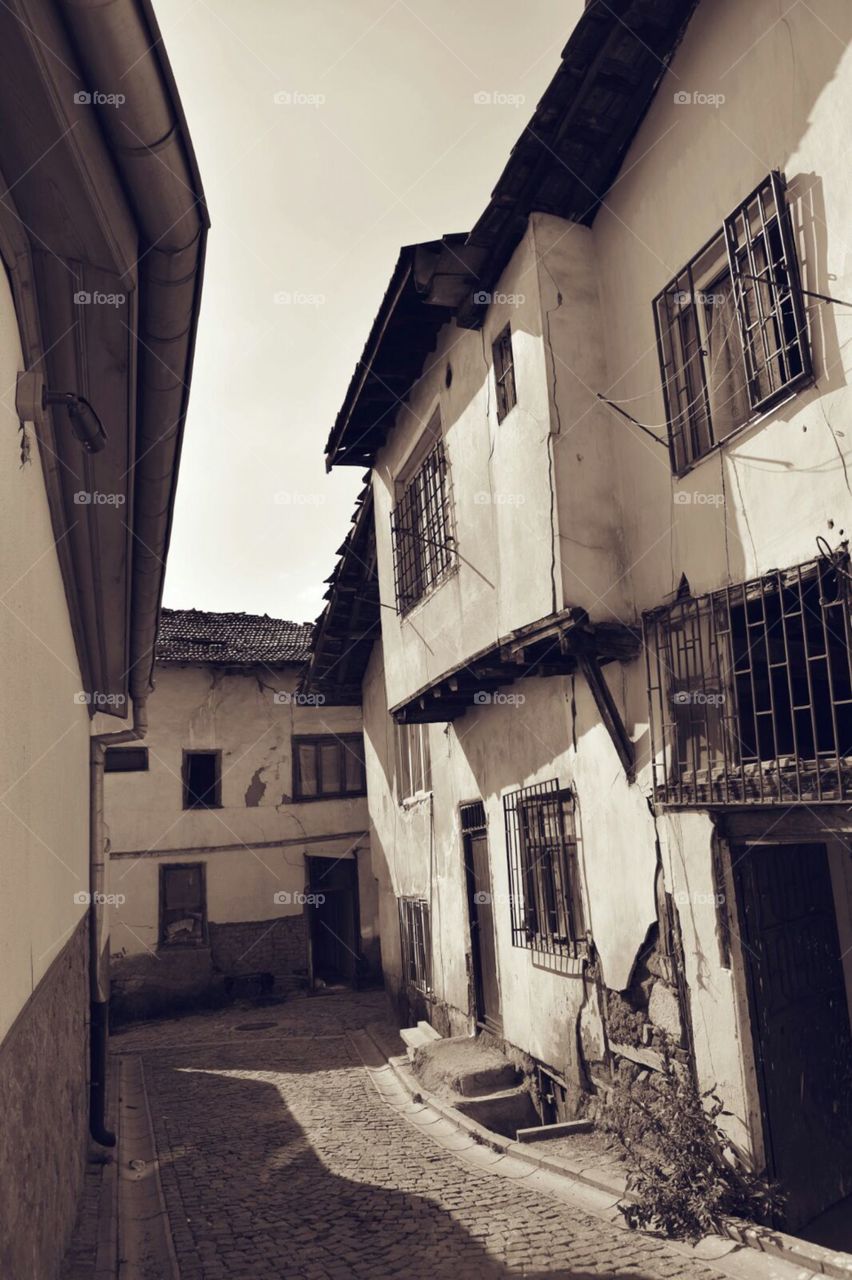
x=33, y=398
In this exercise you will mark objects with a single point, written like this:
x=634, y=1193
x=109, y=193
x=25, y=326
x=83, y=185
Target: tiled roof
x=231, y=639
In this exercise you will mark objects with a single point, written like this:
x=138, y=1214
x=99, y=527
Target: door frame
x=496, y=1027
x=311, y=917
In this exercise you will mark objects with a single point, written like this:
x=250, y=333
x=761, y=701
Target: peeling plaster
x=256, y=789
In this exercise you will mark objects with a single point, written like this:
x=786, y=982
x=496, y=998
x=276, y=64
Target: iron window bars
x=328, y=766
x=472, y=816
x=416, y=943
x=750, y=690
x=423, y=546
x=731, y=327
x=541, y=845
x=504, y=372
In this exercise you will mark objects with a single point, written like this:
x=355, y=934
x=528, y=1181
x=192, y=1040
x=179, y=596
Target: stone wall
x=44, y=1105
x=151, y=984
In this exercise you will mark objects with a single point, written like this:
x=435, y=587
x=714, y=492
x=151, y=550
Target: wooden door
x=800, y=1022
x=483, y=944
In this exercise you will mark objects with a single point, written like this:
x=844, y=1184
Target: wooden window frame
x=344, y=742
x=216, y=801
x=415, y=937
x=162, y=940
x=503, y=357
x=682, y=351
x=405, y=768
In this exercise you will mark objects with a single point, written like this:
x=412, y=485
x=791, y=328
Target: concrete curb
x=746, y=1251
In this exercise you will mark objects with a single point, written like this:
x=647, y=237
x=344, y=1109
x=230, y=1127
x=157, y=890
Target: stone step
x=417, y=1038
x=429, y=1031
x=462, y=1065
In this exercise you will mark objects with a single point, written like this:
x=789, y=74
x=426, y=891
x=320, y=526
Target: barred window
x=731, y=327
x=420, y=525
x=416, y=943
x=750, y=690
x=543, y=873
x=504, y=372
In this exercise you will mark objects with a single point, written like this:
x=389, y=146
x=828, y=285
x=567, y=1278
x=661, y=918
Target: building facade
x=102, y=233
x=238, y=833
x=607, y=699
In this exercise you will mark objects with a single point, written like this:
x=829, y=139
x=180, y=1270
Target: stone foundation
x=243, y=958
x=44, y=1095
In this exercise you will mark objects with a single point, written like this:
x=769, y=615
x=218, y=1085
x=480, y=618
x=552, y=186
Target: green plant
x=683, y=1173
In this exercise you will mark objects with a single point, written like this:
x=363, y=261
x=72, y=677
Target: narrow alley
x=278, y=1157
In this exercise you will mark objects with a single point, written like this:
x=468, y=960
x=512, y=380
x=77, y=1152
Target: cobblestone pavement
x=278, y=1158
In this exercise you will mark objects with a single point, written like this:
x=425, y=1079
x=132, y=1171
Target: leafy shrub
x=682, y=1170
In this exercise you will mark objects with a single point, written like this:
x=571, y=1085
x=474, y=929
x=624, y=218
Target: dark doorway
x=481, y=909
x=333, y=921
x=800, y=1021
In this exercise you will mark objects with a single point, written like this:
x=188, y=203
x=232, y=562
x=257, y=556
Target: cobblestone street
x=279, y=1158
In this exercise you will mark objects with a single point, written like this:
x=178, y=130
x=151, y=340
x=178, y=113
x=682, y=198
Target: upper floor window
x=543, y=874
x=504, y=372
x=202, y=779
x=423, y=546
x=413, y=761
x=751, y=690
x=415, y=935
x=731, y=327
x=329, y=766
x=183, y=905
x=125, y=759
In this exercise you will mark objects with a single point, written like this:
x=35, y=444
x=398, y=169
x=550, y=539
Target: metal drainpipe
x=99, y=922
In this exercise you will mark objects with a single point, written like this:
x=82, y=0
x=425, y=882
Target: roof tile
x=231, y=639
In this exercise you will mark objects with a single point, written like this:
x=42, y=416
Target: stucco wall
x=254, y=846
x=44, y=824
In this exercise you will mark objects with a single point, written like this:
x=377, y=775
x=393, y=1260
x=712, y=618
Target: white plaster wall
x=44, y=751
x=199, y=708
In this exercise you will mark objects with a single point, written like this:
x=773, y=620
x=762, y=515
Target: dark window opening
x=751, y=689
x=504, y=372
x=420, y=526
x=416, y=943
x=183, y=905
x=731, y=327
x=125, y=759
x=329, y=766
x=543, y=868
x=202, y=780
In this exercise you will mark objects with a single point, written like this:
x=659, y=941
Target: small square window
x=504, y=372
x=202, y=780
x=183, y=905
x=126, y=759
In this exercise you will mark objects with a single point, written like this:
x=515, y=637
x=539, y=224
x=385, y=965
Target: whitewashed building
x=238, y=832
x=607, y=703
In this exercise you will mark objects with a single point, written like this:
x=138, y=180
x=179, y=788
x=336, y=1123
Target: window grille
x=472, y=816
x=416, y=943
x=750, y=690
x=543, y=875
x=504, y=372
x=731, y=327
x=420, y=526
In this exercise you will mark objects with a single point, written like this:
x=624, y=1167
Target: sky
x=328, y=133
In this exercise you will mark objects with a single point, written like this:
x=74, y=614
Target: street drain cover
x=255, y=1026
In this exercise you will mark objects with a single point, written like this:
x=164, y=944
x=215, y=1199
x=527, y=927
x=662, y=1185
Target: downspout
x=99, y=922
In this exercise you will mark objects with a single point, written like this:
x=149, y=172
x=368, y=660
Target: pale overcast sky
x=376, y=140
